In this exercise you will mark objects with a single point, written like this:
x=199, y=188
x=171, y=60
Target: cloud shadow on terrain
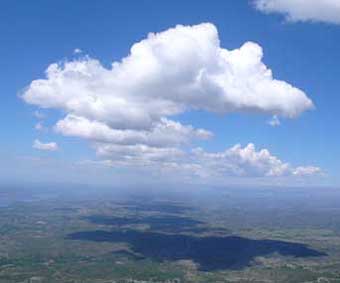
x=211, y=253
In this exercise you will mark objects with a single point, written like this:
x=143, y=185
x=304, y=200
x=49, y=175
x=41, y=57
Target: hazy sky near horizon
x=221, y=92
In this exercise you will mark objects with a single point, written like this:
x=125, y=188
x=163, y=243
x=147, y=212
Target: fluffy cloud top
x=303, y=10
x=127, y=111
x=51, y=146
x=168, y=73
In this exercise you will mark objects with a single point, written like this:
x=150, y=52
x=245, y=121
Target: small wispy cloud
x=274, y=121
x=50, y=146
x=77, y=51
x=327, y=11
x=40, y=127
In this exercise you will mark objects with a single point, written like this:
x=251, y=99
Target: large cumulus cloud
x=128, y=111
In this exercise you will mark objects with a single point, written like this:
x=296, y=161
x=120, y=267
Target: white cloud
x=39, y=126
x=235, y=161
x=51, y=146
x=303, y=10
x=139, y=155
x=180, y=69
x=162, y=133
x=274, y=121
x=243, y=162
x=127, y=111
x=77, y=51
x=307, y=171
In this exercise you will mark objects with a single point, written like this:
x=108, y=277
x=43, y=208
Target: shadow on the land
x=211, y=253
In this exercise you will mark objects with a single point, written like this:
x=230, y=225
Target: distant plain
x=212, y=235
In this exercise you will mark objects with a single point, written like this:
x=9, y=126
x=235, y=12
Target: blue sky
x=303, y=53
